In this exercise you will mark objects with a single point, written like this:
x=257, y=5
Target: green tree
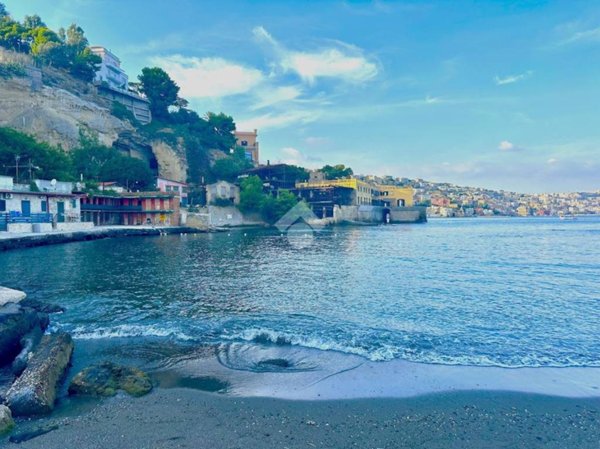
x=273, y=209
x=222, y=128
x=337, y=171
x=231, y=167
x=251, y=194
x=12, y=35
x=160, y=89
x=32, y=22
x=3, y=11
x=48, y=162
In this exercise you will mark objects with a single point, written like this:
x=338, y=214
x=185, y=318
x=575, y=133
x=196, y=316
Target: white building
x=52, y=206
x=110, y=70
x=221, y=193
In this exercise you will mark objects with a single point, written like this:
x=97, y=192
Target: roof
x=172, y=180
x=23, y=192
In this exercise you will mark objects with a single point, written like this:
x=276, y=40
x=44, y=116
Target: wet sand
x=186, y=418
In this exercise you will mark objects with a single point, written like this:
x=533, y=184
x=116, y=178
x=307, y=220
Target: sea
x=502, y=293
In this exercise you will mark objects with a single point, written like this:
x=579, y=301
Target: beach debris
x=35, y=391
x=106, y=378
x=6, y=420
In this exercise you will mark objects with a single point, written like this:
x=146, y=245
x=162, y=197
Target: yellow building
x=522, y=211
x=364, y=191
x=368, y=194
x=395, y=196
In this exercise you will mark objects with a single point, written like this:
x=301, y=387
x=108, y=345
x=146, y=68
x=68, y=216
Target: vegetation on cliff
x=253, y=199
x=65, y=49
x=92, y=160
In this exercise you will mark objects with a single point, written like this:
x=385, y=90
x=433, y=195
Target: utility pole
x=16, y=167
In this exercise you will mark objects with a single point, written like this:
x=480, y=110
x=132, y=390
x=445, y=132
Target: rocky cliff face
x=55, y=111
x=55, y=115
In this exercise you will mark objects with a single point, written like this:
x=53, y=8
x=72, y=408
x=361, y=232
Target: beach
x=179, y=418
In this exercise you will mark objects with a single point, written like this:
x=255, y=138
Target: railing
x=109, y=208
x=32, y=218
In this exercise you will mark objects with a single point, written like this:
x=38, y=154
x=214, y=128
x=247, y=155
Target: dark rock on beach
x=41, y=306
x=35, y=391
x=107, y=378
x=15, y=323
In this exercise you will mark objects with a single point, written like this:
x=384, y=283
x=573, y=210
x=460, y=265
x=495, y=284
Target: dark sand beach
x=185, y=418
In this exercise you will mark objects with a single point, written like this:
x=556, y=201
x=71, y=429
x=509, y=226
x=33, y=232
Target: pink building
x=179, y=189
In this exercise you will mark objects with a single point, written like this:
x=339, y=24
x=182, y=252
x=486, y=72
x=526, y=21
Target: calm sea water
x=500, y=292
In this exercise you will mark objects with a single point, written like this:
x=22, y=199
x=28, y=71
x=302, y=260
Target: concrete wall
x=414, y=214
x=84, y=226
x=19, y=227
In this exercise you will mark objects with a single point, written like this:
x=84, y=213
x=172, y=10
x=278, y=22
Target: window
x=44, y=206
x=2, y=206
x=73, y=204
x=244, y=143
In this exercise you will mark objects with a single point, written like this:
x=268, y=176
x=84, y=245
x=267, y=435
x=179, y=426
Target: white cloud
x=552, y=160
x=279, y=119
x=510, y=79
x=271, y=97
x=591, y=35
x=293, y=156
x=209, y=77
x=507, y=146
x=344, y=62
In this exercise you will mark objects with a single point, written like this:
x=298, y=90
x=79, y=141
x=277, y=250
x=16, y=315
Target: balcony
x=109, y=208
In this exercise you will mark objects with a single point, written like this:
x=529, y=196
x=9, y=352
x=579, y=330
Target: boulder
x=15, y=322
x=8, y=295
x=107, y=378
x=28, y=344
x=35, y=391
x=41, y=306
x=6, y=420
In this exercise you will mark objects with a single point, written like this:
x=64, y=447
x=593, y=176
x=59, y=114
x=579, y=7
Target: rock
x=8, y=295
x=42, y=306
x=34, y=393
x=107, y=378
x=15, y=322
x=28, y=344
x=6, y=420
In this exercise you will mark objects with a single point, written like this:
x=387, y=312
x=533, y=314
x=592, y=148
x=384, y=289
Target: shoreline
x=177, y=418
x=22, y=241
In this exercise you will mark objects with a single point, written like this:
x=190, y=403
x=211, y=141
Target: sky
x=497, y=94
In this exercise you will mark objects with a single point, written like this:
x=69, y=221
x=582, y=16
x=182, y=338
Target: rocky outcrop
x=107, y=378
x=10, y=296
x=55, y=115
x=6, y=420
x=135, y=145
x=35, y=391
x=15, y=323
x=171, y=160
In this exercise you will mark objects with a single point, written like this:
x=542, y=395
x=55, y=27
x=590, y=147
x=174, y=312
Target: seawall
x=8, y=242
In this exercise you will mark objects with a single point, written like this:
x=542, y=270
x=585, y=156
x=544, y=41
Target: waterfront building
x=323, y=200
x=364, y=192
x=113, y=82
x=180, y=189
x=222, y=193
x=394, y=196
x=275, y=177
x=132, y=209
x=40, y=206
x=248, y=140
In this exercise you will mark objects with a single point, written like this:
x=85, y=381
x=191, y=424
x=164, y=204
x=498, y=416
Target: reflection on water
x=504, y=292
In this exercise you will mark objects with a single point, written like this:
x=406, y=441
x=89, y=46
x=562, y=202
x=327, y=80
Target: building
x=322, y=200
x=113, y=84
x=131, y=209
x=364, y=191
x=110, y=71
x=177, y=188
x=222, y=193
x=49, y=205
x=248, y=141
x=277, y=176
x=394, y=196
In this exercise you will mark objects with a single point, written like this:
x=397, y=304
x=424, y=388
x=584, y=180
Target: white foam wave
x=127, y=331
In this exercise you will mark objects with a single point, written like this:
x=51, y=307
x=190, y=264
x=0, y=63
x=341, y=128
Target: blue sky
x=494, y=94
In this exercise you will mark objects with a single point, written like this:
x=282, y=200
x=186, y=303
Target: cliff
x=52, y=107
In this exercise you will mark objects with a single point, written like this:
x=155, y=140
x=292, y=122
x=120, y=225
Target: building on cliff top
x=113, y=82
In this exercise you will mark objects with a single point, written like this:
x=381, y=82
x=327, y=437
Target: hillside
x=53, y=106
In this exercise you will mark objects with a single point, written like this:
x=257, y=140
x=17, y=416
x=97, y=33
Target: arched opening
x=387, y=215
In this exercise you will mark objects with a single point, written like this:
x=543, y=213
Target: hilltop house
x=113, y=82
x=249, y=142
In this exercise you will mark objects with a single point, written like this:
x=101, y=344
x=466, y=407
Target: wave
x=128, y=331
